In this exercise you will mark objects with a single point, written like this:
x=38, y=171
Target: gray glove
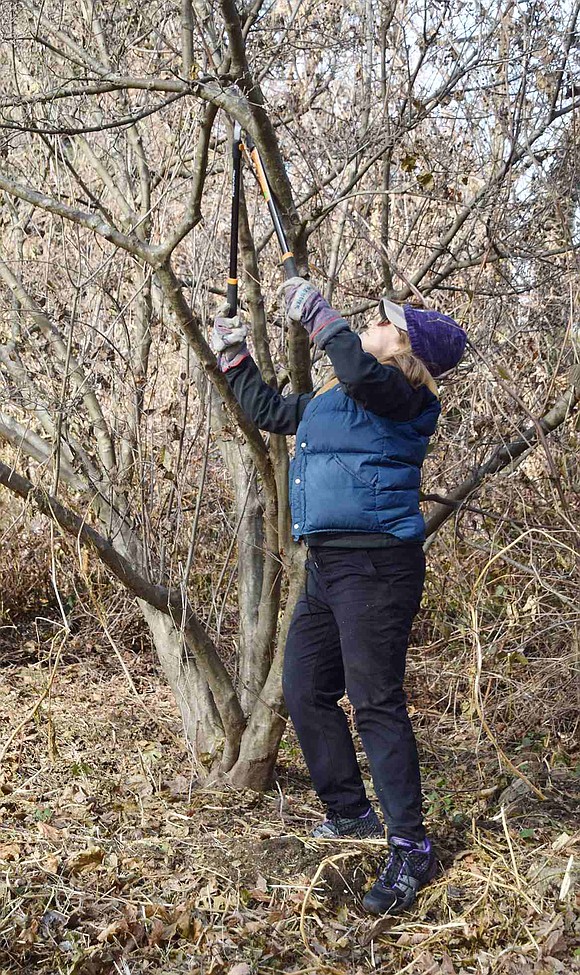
x=228, y=340
x=306, y=305
x=227, y=332
x=296, y=291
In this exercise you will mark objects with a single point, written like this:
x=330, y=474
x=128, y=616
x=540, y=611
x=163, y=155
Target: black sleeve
x=383, y=390
x=264, y=405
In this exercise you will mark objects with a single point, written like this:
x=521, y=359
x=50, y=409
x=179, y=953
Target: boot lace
x=404, y=863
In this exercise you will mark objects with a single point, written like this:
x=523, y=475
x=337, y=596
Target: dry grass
x=113, y=861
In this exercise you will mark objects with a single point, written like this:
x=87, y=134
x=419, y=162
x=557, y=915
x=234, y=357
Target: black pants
x=350, y=631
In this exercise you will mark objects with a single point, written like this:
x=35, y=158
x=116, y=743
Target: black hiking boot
x=367, y=827
x=410, y=866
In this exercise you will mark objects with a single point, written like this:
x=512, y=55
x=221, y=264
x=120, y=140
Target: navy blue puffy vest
x=354, y=471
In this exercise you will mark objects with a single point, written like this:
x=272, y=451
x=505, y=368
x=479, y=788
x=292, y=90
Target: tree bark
x=201, y=721
x=260, y=741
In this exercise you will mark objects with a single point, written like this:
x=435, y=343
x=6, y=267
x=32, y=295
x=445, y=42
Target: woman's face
x=381, y=339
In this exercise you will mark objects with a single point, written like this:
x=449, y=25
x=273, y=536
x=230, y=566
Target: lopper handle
x=232, y=286
x=288, y=261
x=231, y=299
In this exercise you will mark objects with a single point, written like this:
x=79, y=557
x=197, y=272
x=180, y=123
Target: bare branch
x=78, y=378
x=91, y=221
x=187, y=37
x=183, y=315
x=118, y=123
x=192, y=214
x=29, y=443
x=502, y=457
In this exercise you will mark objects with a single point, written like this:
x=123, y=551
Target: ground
x=115, y=859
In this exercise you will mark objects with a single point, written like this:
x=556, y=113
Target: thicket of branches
x=431, y=154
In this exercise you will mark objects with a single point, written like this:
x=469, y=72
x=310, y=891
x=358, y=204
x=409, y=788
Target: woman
x=354, y=496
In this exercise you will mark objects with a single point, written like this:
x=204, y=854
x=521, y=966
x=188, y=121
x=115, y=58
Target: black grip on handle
x=232, y=300
x=290, y=268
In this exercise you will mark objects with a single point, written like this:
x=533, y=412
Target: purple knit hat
x=435, y=338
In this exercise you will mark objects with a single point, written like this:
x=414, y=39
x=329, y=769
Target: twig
x=477, y=701
x=511, y=849
x=323, y=863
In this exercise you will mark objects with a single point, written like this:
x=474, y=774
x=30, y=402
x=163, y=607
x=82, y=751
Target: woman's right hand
x=306, y=305
x=228, y=339
x=227, y=332
x=296, y=292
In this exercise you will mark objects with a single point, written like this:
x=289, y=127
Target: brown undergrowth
x=114, y=860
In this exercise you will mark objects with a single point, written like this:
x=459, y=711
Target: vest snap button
x=296, y=526
x=297, y=480
x=303, y=444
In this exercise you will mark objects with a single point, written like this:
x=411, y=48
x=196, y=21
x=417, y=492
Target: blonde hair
x=413, y=368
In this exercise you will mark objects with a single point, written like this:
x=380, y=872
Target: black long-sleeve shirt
x=382, y=389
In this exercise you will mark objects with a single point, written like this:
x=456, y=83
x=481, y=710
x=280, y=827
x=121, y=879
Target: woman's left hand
x=296, y=292
x=228, y=340
x=306, y=305
x=227, y=331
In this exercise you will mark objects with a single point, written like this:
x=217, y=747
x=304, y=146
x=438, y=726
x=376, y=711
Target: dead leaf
x=30, y=933
x=408, y=939
x=151, y=753
x=179, y=787
x=51, y=864
x=259, y=895
x=252, y=927
x=241, y=968
x=161, y=932
x=426, y=181
x=156, y=911
x=114, y=930
x=9, y=851
x=447, y=966
x=428, y=964
x=378, y=928
x=184, y=923
x=555, y=943
x=85, y=860
x=49, y=832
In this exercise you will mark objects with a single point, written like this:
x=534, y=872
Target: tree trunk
x=201, y=722
x=254, y=768
x=252, y=666
x=251, y=671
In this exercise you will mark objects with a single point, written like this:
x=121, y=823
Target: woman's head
x=433, y=337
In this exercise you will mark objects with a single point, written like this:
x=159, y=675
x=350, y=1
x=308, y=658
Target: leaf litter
x=115, y=859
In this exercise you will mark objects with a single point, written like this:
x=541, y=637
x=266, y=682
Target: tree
x=417, y=142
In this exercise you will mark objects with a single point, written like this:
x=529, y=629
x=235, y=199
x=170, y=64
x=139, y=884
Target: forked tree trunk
x=202, y=726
